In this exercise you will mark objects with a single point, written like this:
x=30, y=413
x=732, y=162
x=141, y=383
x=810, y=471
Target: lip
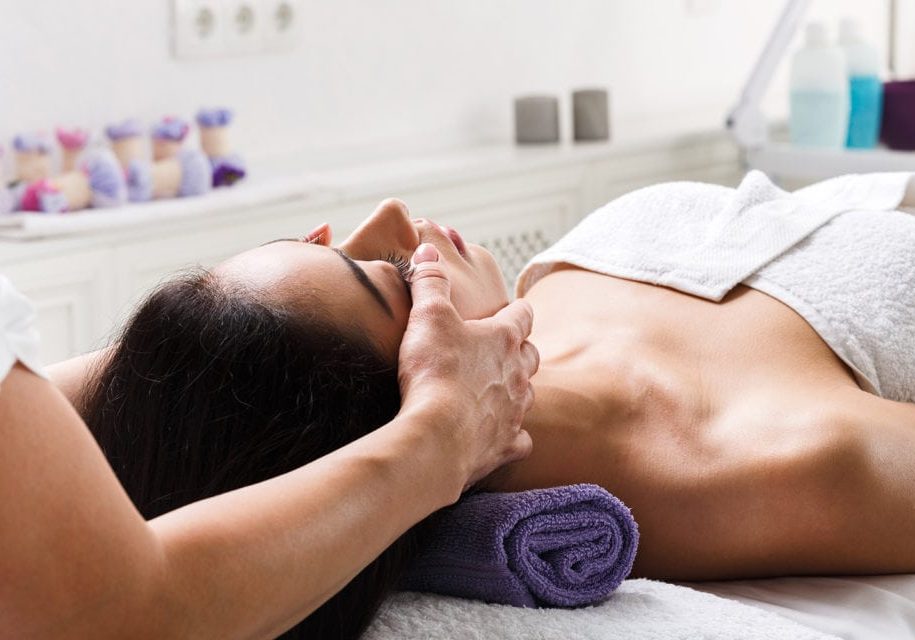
x=456, y=239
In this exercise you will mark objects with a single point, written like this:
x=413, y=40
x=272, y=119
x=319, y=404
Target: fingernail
x=425, y=253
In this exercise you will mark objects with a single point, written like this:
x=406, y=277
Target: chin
x=483, y=292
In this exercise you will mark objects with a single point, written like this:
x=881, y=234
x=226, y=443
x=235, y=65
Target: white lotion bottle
x=819, y=92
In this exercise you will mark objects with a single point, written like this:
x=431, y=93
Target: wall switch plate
x=197, y=28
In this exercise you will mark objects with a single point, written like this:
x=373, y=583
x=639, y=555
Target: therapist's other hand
x=473, y=376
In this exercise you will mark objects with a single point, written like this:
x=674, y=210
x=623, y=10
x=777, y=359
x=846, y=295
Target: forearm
x=78, y=560
x=253, y=562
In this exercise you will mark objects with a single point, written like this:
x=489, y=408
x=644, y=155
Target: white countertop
x=328, y=181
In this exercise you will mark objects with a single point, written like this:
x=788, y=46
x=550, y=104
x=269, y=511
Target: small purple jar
x=898, y=129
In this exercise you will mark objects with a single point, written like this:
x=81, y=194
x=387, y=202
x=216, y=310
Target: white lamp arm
x=746, y=121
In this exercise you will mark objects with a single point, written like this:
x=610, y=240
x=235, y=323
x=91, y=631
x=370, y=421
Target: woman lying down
x=737, y=366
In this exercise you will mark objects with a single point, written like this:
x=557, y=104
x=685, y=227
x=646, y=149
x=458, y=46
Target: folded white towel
x=638, y=610
x=836, y=252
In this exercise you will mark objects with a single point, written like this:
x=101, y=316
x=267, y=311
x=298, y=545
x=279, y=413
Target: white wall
x=370, y=72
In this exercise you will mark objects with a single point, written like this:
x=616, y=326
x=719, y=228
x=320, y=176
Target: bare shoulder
x=866, y=409
x=782, y=488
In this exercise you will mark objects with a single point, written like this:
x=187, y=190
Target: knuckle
x=526, y=307
x=519, y=384
x=530, y=396
x=508, y=337
x=432, y=310
x=524, y=443
x=428, y=270
x=532, y=354
x=525, y=317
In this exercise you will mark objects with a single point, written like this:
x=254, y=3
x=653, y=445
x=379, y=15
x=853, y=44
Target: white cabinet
x=73, y=296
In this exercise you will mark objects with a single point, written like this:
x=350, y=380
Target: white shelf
x=785, y=162
x=354, y=178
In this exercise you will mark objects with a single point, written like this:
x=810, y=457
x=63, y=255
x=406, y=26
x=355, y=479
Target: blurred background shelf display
x=793, y=165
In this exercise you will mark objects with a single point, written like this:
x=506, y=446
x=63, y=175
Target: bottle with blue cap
x=865, y=87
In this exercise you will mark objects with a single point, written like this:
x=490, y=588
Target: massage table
x=811, y=608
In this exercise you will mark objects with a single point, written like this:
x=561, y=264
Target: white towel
x=638, y=610
x=19, y=339
x=836, y=252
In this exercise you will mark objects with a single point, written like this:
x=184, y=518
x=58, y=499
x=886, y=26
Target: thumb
x=429, y=280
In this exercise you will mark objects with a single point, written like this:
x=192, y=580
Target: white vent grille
x=513, y=251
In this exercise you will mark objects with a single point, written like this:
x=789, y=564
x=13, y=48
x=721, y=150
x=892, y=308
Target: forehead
x=287, y=271
x=314, y=281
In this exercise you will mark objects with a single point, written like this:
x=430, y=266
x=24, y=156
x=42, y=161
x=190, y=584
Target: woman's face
x=360, y=283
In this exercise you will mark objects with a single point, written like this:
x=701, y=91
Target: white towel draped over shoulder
x=837, y=252
x=18, y=336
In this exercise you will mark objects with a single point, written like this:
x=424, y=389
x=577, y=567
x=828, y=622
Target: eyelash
x=402, y=266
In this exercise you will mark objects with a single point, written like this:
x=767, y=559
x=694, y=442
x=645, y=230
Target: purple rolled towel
x=563, y=547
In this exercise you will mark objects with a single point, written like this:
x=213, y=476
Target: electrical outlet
x=213, y=28
x=197, y=28
x=243, y=22
x=282, y=23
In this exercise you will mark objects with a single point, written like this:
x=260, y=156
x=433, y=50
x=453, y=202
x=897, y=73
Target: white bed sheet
x=852, y=608
x=639, y=610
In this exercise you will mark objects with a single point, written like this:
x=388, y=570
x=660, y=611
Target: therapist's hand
x=472, y=377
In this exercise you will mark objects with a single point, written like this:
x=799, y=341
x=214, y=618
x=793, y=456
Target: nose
x=388, y=230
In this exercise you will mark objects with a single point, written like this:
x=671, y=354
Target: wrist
x=427, y=434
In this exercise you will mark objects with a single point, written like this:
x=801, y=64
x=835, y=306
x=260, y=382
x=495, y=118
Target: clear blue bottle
x=866, y=112
x=866, y=88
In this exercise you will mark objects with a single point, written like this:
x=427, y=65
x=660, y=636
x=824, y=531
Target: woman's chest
x=608, y=325
x=640, y=384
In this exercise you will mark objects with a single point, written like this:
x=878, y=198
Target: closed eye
x=359, y=272
x=365, y=281
x=404, y=268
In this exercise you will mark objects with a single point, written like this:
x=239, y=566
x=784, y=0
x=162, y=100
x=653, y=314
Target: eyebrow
x=358, y=271
x=365, y=281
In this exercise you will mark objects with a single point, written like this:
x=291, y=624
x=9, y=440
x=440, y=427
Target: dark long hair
x=209, y=389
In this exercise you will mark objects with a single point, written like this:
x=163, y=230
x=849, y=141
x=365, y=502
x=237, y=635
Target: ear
x=320, y=235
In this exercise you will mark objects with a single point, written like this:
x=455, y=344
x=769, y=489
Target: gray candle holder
x=536, y=119
x=590, y=115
